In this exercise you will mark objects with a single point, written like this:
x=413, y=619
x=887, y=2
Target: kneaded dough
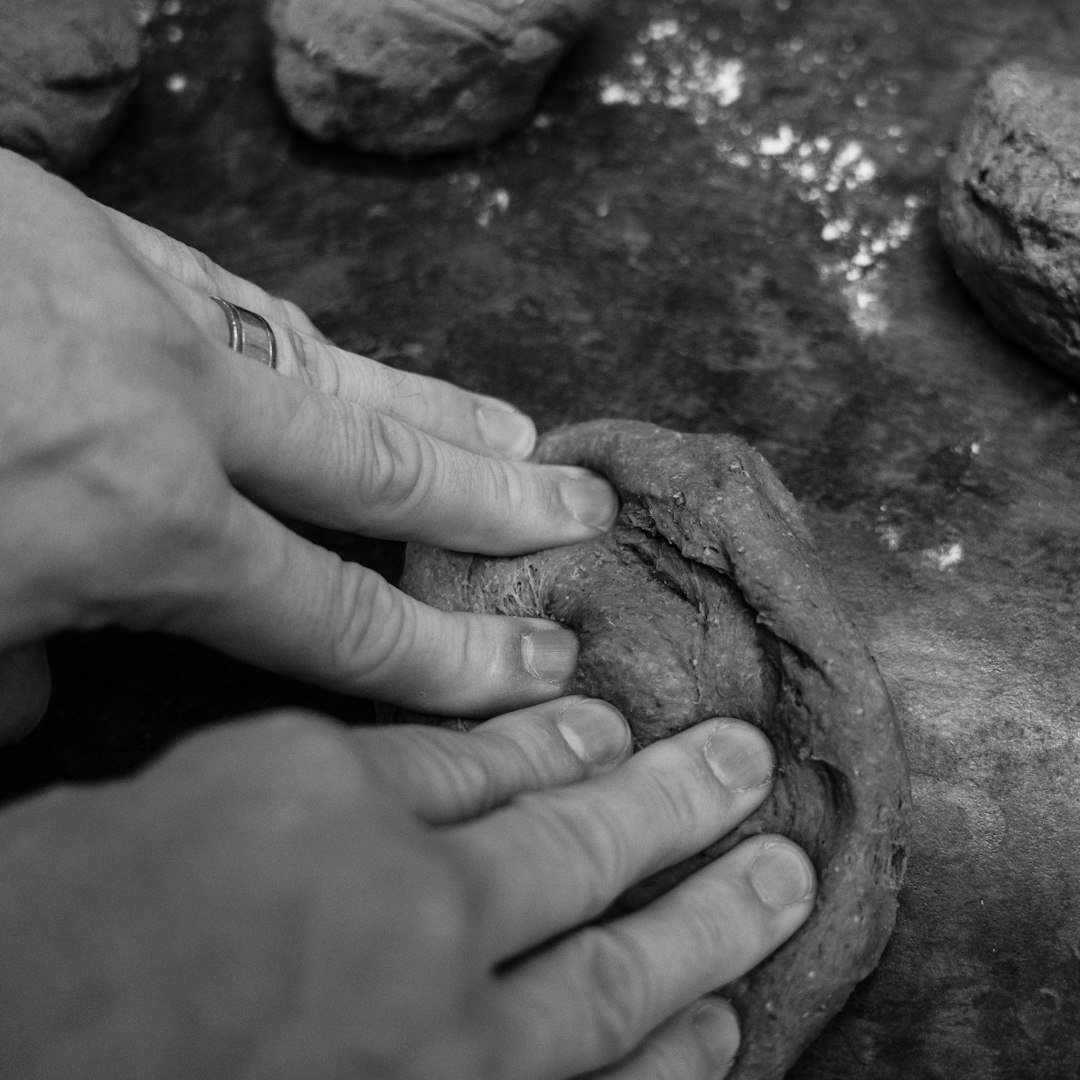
x=707, y=599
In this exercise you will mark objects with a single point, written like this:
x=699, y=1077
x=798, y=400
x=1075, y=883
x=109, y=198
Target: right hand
x=284, y=898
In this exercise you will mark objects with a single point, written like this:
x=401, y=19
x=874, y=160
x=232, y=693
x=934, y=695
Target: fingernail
x=505, y=430
x=717, y=1029
x=740, y=756
x=595, y=731
x=550, y=655
x=781, y=876
x=590, y=500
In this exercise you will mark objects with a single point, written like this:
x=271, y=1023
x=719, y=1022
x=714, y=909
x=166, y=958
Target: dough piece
x=412, y=77
x=1010, y=209
x=708, y=599
x=67, y=68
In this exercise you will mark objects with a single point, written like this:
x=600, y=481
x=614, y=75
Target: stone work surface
x=416, y=77
x=67, y=69
x=724, y=220
x=1010, y=209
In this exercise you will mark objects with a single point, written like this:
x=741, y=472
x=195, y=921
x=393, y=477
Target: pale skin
x=421, y=903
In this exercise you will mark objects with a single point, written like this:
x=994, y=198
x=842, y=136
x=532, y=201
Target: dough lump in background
x=67, y=69
x=706, y=599
x=412, y=77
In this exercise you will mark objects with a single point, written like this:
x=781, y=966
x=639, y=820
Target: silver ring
x=249, y=333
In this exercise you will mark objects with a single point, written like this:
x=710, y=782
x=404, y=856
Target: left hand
x=143, y=465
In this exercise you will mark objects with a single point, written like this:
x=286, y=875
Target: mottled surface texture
x=708, y=599
x=416, y=77
x=723, y=220
x=67, y=69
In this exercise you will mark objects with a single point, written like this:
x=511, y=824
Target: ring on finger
x=249, y=333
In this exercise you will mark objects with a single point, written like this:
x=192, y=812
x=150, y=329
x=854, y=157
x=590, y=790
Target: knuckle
x=367, y=630
x=164, y=517
x=306, y=355
x=505, y=480
x=719, y=926
x=190, y=264
x=178, y=514
x=685, y=794
x=436, y=895
x=468, y=782
x=296, y=732
x=590, y=846
x=533, y=750
x=616, y=991
x=488, y=646
x=394, y=466
x=293, y=315
x=286, y=756
x=547, y=761
x=406, y=395
x=496, y=487
x=314, y=754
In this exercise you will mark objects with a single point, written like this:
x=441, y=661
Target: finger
x=24, y=690
x=476, y=422
x=601, y=990
x=200, y=274
x=668, y=802
x=698, y=1043
x=448, y=776
x=345, y=466
x=263, y=594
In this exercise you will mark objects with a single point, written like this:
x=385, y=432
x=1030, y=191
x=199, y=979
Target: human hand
x=283, y=898
x=141, y=461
